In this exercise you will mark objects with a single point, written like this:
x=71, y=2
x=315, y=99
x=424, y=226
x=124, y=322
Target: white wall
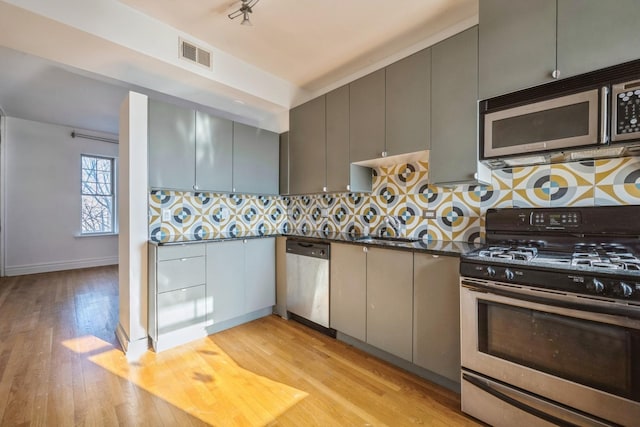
x=42, y=202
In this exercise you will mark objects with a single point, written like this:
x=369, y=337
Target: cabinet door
x=226, y=279
x=181, y=308
x=517, y=44
x=338, y=139
x=454, y=109
x=171, y=146
x=307, y=147
x=390, y=301
x=260, y=278
x=256, y=155
x=436, y=315
x=594, y=34
x=348, y=295
x=214, y=153
x=284, y=163
x=366, y=117
x=408, y=104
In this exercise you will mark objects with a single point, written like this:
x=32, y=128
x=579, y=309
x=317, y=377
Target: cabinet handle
x=475, y=175
x=348, y=187
x=555, y=74
x=384, y=154
x=244, y=240
x=365, y=249
x=183, y=259
x=324, y=189
x=195, y=186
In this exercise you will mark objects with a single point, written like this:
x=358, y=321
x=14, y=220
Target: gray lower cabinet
x=256, y=160
x=240, y=277
x=307, y=150
x=408, y=104
x=348, y=296
x=225, y=280
x=594, y=34
x=178, y=302
x=517, y=45
x=172, y=133
x=436, y=314
x=454, y=110
x=390, y=301
x=214, y=153
x=367, y=117
x=260, y=274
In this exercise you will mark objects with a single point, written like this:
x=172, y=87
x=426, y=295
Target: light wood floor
x=60, y=364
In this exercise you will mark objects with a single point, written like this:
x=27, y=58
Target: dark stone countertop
x=437, y=247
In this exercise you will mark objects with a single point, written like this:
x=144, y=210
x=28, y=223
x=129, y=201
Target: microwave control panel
x=626, y=120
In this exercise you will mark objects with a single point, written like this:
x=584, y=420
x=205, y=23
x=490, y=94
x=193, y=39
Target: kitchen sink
x=385, y=239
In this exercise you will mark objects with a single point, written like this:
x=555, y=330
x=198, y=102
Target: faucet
x=394, y=223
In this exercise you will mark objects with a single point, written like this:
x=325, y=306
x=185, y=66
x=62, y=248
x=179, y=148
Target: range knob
x=491, y=272
x=509, y=274
x=595, y=286
x=622, y=289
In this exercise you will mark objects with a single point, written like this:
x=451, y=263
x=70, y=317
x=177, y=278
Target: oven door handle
x=487, y=388
x=590, y=308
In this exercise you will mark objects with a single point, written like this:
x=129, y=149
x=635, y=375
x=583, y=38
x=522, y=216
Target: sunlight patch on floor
x=200, y=379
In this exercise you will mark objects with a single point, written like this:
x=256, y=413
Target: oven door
x=559, y=123
x=574, y=352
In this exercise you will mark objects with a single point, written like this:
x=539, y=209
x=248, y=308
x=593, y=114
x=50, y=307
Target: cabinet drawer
x=180, y=251
x=180, y=273
x=180, y=309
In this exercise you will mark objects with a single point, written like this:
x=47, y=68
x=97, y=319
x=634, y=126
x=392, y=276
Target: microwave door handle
x=604, y=114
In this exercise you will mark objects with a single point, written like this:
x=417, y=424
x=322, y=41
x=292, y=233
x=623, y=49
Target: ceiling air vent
x=193, y=53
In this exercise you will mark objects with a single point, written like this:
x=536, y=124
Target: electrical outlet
x=166, y=215
x=428, y=214
x=224, y=212
x=324, y=213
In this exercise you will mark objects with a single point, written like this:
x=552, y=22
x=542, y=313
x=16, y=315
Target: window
x=98, y=200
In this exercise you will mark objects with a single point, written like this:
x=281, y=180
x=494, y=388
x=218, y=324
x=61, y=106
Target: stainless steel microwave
x=585, y=117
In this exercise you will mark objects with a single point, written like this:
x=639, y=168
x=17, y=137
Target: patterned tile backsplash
x=401, y=191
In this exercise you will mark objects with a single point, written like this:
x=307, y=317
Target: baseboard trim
x=236, y=321
x=133, y=350
x=59, y=266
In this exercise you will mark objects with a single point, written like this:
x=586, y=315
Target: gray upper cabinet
x=454, y=109
x=348, y=304
x=256, y=155
x=260, y=270
x=214, y=151
x=337, y=128
x=408, y=104
x=366, y=117
x=517, y=44
x=436, y=314
x=172, y=133
x=307, y=150
x=390, y=301
x=594, y=34
x=284, y=163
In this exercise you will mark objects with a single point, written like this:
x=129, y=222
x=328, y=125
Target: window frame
x=114, y=208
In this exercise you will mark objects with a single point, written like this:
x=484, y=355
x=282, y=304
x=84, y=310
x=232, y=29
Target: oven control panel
x=626, y=111
x=576, y=282
x=553, y=220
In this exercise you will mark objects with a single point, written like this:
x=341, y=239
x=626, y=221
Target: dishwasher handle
x=309, y=249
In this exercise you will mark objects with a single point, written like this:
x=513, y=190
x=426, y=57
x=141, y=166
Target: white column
x=133, y=225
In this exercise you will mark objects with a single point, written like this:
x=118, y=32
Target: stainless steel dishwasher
x=308, y=283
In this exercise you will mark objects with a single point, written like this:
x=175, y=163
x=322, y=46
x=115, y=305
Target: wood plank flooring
x=61, y=365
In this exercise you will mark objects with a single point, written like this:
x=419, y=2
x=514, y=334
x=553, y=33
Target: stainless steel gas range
x=550, y=318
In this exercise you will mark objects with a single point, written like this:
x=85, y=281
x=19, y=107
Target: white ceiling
x=71, y=62
x=312, y=43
